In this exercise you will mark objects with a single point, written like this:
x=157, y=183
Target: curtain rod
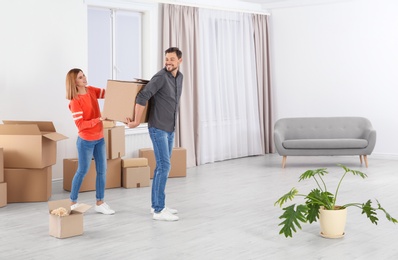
x=212, y=7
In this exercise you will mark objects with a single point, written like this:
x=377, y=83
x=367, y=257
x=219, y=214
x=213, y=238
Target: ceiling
x=269, y=4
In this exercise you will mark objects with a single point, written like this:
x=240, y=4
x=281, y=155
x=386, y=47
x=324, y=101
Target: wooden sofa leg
x=365, y=157
x=284, y=161
x=360, y=158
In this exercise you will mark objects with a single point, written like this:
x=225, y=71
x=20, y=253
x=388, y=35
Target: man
x=164, y=89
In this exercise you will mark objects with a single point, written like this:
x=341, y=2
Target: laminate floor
x=226, y=211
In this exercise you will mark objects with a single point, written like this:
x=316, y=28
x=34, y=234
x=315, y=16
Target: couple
x=165, y=89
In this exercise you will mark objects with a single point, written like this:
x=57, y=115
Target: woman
x=90, y=142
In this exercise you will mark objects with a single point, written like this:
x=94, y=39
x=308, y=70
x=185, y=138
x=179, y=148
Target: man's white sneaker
x=104, y=209
x=172, y=211
x=165, y=215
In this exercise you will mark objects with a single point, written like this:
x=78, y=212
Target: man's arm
x=138, y=111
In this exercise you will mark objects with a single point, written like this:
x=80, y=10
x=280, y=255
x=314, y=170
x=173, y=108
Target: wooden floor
x=226, y=212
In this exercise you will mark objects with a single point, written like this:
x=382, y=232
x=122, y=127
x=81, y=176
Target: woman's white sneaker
x=73, y=206
x=165, y=215
x=172, y=211
x=104, y=209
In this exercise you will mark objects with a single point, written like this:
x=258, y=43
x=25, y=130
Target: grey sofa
x=322, y=136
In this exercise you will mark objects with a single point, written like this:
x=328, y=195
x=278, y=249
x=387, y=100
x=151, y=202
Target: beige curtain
x=180, y=30
x=261, y=30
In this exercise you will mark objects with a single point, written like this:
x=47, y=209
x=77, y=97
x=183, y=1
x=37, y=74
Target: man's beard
x=171, y=68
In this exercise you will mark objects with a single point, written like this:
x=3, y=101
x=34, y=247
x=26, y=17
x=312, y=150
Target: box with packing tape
x=65, y=222
x=136, y=173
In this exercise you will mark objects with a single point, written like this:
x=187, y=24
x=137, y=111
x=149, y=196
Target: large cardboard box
x=3, y=194
x=178, y=161
x=69, y=225
x=1, y=165
x=120, y=100
x=113, y=175
x=28, y=185
x=115, y=142
x=136, y=177
x=29, y=144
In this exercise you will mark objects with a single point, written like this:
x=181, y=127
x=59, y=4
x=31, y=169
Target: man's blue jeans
x=162, y=142
x=86, y=151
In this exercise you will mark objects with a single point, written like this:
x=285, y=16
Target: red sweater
x=86, y=113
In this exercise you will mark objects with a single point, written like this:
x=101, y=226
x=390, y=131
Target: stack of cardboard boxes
x=30, y=150
x=178, y=161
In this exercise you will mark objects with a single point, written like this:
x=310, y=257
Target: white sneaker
x=72, y=207
x=104, y=209
x=172, y=211
x=165, y=215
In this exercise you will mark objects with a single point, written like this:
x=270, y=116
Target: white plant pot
x=332, y=222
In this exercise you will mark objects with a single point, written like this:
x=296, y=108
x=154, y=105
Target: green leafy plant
x=319, y=197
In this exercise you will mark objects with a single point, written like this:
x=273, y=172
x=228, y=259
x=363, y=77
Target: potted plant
x=319, y=201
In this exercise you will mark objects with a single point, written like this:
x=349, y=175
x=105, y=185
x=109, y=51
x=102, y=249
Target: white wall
x=338, y=59
x=40, y=41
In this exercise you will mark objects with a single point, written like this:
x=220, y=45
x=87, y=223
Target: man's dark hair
x=174, y=49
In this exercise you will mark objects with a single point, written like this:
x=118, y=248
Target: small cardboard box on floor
x=119, y=101
x=29, y=144
x=136, y=173
x=113, y=174
x=178, y=161
x=69, y=225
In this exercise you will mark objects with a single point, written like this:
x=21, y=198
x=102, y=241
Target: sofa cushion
x=325, y=144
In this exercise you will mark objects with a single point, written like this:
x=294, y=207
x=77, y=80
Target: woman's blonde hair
x=71, y=89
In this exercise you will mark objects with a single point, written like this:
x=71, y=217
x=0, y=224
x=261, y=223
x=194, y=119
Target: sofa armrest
x=370, y=135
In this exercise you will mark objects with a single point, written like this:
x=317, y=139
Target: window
x=114, y=45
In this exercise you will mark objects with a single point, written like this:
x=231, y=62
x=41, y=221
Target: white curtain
x=229, y=125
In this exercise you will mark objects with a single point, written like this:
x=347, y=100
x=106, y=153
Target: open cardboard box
x=29, y=144
x=119, y=101
x=66, y=226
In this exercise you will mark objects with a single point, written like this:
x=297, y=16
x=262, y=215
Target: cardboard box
x=66, y=226
x=136, y=177
x=3, y=194
x=1, y=165
x=113, y=175
x=29, y=144
x=178, y=161
x=115, y=142
x=28, y=185
x=108, y=123
x=120, y=100
x=134, y=162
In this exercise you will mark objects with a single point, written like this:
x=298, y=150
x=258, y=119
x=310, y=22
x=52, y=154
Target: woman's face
x=81, y=80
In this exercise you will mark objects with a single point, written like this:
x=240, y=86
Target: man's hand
x=131, y=124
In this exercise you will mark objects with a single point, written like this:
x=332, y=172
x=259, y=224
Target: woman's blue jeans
x=162, y=142
x=86, y=151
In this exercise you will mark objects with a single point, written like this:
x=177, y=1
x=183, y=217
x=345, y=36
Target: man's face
x=172, y=62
